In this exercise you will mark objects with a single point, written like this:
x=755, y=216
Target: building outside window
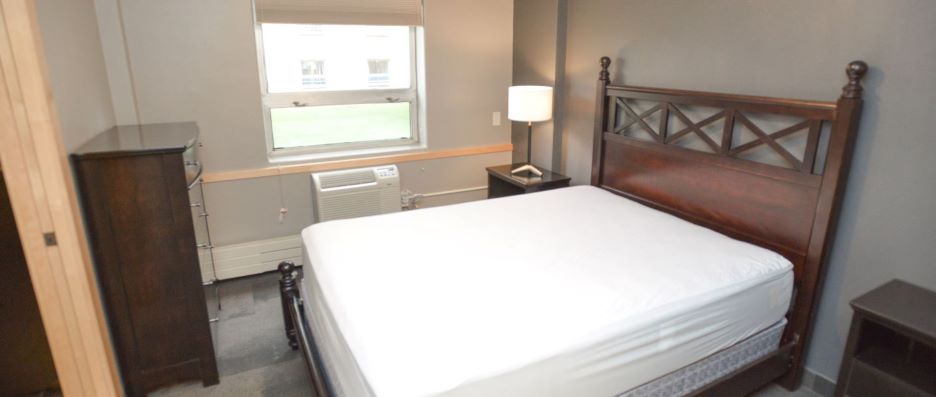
x=313, y=73
x=378, y=72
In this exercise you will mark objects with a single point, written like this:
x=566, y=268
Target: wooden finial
x=605, y=75
x=855, y=71
x=288, y=282
x=286, y=267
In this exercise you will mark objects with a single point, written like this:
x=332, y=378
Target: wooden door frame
x=42, y=194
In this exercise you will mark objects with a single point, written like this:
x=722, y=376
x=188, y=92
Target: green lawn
x=322, y=125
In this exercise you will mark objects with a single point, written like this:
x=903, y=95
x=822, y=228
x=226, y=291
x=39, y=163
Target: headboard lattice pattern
x=624, y=119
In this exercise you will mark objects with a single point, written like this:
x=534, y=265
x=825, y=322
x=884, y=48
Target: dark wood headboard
x=789, y=206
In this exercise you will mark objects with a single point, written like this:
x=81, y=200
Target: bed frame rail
x=297, y=331
x=751, y=377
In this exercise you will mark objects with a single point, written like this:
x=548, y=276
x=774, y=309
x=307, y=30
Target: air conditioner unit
x=353, y=193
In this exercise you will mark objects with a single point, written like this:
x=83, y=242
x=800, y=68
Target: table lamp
x=529, y=103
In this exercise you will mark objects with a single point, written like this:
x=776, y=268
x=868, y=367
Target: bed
x=679, y=270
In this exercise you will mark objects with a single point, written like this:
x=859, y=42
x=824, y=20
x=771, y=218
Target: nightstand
x=502, y=183
x=891, y=349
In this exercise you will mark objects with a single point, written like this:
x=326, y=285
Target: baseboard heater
x=255, y=257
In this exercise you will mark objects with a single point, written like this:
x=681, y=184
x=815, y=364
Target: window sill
x=288, y=157
x=402, y=156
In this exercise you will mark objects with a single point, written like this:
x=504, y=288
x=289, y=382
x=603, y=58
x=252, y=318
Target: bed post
x=841, y=144
x=297, y=331
x=601, y=107
x=288, y=291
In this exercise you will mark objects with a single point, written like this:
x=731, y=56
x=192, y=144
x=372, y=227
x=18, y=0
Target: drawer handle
x=203, y=215
x=195, y=205
x=197, y=178
x=204, y=246
x=192, y=163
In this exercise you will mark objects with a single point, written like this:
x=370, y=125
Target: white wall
x=797, y=49
x=197, y=60
x=76, y=69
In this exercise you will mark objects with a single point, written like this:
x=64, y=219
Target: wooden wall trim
x=225, y=176
x=43, y=198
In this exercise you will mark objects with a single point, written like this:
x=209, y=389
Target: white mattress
x=569, y=292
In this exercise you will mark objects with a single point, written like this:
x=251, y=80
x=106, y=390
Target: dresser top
x=130, y=140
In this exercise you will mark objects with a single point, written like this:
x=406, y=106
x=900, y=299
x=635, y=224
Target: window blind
x=341, y=12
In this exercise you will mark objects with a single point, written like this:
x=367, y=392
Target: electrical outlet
x=496, y=119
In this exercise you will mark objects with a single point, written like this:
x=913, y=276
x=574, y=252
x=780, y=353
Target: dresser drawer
x=202, y=234
x=200, y=222
x=193, y=167
x=197, y=200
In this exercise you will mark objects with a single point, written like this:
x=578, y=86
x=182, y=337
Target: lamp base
x=527, y=168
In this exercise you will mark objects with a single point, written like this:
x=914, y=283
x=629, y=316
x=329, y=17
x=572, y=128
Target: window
x=338, y=87
x=313, y=74
x=378, y=72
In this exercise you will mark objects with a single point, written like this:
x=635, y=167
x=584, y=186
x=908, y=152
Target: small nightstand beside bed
x=701, y=279
x=502, y=182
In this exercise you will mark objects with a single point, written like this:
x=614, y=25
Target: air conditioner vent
x=354, y=193
x=347, y=178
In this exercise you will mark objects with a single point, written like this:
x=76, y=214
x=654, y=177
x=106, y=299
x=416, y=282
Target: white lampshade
x=529, y=103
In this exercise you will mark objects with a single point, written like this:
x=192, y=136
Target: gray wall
x=537, y=55
x=797, y=49
x=197, y=60
x=76, y=68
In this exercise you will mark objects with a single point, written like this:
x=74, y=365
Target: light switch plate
x=496, y=119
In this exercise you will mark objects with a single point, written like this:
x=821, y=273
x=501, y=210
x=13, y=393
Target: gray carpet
x=254, y=358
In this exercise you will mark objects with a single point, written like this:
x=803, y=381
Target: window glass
x=358, y=57
x=345, y=85
x=328, y=125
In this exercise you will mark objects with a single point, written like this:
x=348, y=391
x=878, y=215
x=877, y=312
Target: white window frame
x=344, y=97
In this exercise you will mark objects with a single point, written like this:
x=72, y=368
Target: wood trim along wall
x=225, y=176
x=45, y=206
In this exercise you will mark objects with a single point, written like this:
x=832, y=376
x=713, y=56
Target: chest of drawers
x=138, y=188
